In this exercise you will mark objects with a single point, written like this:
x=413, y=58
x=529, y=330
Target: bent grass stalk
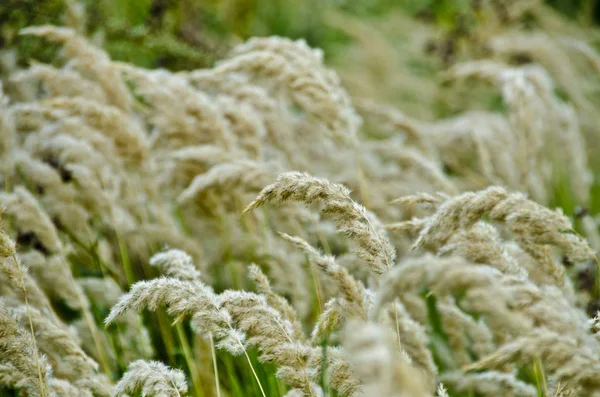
x=252, y=368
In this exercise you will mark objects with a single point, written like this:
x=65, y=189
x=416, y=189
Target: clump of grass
x=134, y=190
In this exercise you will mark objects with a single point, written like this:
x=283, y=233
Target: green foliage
x=17, y=14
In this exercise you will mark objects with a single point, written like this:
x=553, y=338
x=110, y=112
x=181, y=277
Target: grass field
x=299, y=198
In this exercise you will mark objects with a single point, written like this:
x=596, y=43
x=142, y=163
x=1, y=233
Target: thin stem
x=540, y=377
x=189, y=359
x=105, y=268
x=247, y=358
x=327, y=250
x=89, y=320
x=303, y=369
x=214, y=358
x=388, y=266
x=397, y=327
x=317, y=284
x=252, y=368
x=167, y=335
x=91, y=325
x=543, y=376
x=364, y=193
x=37, y=353
x=324, y=380
x=175, y=388
x=125, y=259
x=314, y=276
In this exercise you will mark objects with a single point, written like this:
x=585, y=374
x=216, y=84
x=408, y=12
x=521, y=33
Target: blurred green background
x=188, y=34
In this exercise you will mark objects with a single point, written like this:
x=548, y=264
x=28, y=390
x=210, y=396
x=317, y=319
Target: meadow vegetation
x=306, y=199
